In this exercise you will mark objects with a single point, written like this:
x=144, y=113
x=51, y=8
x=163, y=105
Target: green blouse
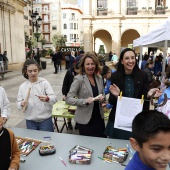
x=129, y=86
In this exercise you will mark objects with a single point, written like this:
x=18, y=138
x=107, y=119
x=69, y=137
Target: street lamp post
x=36, y=23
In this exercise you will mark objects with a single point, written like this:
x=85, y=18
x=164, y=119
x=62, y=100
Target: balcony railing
x=101, y=11
x=46, y=30
x=45, y=21
x=132, y=10
x=160, y=9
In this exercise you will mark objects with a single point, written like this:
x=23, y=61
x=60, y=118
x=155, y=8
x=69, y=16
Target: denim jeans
x=45, y=125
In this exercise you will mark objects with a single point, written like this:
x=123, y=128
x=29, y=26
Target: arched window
x=65, y=26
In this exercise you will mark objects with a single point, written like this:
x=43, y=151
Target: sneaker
x=55, y=73
x=69, y=125
x=76, y=126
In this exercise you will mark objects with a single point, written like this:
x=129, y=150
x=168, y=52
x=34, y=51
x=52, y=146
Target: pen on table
x=46, y=137
x=62, y=161
x=129, y=149
x=104, y=159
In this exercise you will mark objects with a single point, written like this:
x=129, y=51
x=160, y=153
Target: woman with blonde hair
x=87, y=94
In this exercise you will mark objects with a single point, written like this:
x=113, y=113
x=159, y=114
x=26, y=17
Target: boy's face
x=108, y=75
x=156, y=151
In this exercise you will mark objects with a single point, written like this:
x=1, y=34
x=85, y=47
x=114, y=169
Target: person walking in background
x=110, y=56
x=36, y=98
x=72, y=58
x=1, y=63
x=59, y=59
x=133, y=83
x=157, y=66
x=81, y=54
x=4, y=105
x=149, y=70
x=144, y=61
x=5, y=59
x=68, y=79
x=86, y=86
x=54, y=59
x=67, y=60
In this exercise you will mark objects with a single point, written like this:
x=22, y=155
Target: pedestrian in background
x=86, y=86
x=5, y=59
x=38, y=107
x=68, y=79
x=59, y=59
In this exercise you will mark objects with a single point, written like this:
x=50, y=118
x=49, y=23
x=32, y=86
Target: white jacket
x=4, y=104
x=37, y=110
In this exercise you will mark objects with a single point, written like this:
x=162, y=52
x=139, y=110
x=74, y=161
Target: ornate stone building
x=115, y=24
x=12, y=37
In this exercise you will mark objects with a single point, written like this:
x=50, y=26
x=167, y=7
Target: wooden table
x=60, y=109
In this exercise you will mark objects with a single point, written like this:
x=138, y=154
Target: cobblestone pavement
x=11, y=83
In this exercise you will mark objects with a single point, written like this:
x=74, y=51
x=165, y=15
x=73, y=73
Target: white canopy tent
x=159, y=37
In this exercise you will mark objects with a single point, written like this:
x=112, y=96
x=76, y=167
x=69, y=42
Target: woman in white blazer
x=85, y=87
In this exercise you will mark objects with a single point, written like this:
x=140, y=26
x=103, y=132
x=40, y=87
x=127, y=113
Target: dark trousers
x=56, y=66
x=67, y=65
x=59, y=64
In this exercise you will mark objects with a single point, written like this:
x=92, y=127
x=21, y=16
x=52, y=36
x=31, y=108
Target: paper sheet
x=165, y=109
x=127, y=108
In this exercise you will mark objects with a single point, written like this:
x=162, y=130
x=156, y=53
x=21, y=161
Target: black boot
x=70, y=127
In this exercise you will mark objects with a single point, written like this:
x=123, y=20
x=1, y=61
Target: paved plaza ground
x=11, y=83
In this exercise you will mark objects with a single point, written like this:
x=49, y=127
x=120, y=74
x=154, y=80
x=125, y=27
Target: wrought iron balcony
x=160, y=9
x=132, y=10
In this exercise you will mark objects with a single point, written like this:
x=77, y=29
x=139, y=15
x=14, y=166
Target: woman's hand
x=11, y=168
x=89, y=100
x=157, y=94
x=114, y=90
x=102, y=98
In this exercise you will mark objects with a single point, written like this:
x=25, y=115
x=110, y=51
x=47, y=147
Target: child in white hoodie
x=4, y=105
x=36, y=98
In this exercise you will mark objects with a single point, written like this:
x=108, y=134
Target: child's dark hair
x=26, y=64
x=149, y=123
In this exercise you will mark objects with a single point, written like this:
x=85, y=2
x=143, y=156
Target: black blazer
x=141, y=84
x=68, y=79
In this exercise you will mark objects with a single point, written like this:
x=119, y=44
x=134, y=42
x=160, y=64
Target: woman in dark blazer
x=86, y=86
x=133, y=83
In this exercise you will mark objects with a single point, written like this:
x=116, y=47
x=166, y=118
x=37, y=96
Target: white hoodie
x=4, y=104
x=37, y=110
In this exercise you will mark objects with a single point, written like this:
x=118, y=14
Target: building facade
x=71, y=24
x=60, y=17
x=12, y=37
x=115, y=24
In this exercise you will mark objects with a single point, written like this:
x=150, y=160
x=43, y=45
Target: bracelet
x=47, y=99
